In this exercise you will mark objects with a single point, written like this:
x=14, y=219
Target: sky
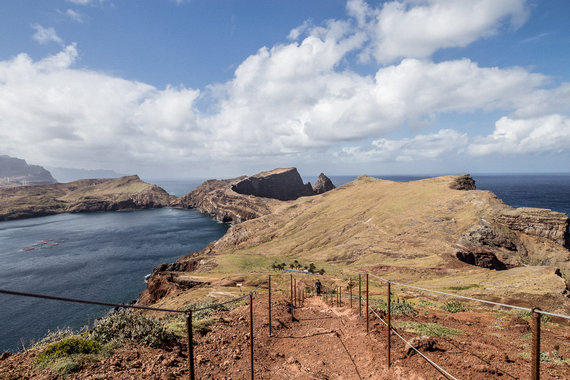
x=221, y=88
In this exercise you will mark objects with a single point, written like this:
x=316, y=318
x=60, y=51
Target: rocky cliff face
x=83, y=195
x=282, y=184
x=464, y=182
x=243, y=198
x=323, y=184
x=17, y=172
x=538, y=222
x=215, y=197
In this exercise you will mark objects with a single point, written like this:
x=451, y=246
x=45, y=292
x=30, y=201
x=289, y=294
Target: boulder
x=323, y=184
x=464, y=182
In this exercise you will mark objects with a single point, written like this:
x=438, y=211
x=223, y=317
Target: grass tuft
x=431, y=329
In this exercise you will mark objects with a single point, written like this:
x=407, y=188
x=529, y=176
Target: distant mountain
x=70, y=174
x=17, y=172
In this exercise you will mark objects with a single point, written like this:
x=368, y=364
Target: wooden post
x=292, y=317
x=190, y=345
x=359, y=295
x=340, y=295
x=251, y=330
x=295, y=297
x=269, y=281
x=535, y=359
x=351, y=297
x=388, y=314
x=367, y=323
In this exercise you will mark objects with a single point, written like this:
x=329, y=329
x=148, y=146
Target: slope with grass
x=410, y=232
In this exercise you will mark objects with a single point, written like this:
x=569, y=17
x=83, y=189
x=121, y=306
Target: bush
x=126, y=325
x=402, y=308
x=54, y=336
x=453, y=307
x=67, y=347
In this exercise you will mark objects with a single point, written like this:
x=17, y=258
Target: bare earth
x=327, y=342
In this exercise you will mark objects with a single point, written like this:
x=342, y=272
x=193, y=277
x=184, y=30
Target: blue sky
x=218, y=88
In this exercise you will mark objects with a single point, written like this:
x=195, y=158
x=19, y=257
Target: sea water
x=100, y=256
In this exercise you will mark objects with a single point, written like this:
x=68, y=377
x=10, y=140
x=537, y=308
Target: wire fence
x=331, y=295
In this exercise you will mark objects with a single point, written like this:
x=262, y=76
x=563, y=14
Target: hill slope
x=83, y=195
x=412, y=232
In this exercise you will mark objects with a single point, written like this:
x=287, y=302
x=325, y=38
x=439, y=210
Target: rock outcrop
x=323, y=184
x=464, y=182
x=17, y=172
x=283, y=184
x=538, y=222
x=480, y=258
x=244, y=198
x=216, y=198
x=83, y=195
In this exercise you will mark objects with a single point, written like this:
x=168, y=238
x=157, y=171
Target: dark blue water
x=98, y=256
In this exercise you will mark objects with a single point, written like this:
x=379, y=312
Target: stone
x=323, y=184
x=423, y=343
x=464, y=182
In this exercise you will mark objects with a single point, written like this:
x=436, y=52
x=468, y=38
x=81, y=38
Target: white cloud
x=80, y=2
x=74, y=15
x=45, y=35
x=51, y=112
x=418, y=28
x=421, y=147
x=520, y=136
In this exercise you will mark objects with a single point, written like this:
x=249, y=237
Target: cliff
x=83, y=195
x=17, y=172
x=244, y=198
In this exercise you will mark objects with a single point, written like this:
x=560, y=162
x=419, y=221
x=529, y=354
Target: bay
x=94, y=256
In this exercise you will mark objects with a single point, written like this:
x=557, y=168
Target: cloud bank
x=292, y=100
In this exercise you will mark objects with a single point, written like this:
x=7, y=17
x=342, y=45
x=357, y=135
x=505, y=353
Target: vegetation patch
x=431, y=329
x=453, y=307
x=396, y=308
x=311, y=268
x=70, y=354
x=464, y=287
x=126, y=325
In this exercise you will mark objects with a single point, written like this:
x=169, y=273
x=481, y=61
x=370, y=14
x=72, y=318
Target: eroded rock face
x=282, y=184
x=538, y=222
x=215, y=197
x=464, y=182
x=480, y=258
x=323, y=184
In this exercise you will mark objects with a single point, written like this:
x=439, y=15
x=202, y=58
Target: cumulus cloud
x=294, y=99
x=518, y=136
x=45, y=35
x=418, y=28
x=52, y=112
x=421, y=147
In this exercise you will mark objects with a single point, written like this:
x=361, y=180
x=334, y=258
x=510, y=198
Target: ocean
x=105, y=256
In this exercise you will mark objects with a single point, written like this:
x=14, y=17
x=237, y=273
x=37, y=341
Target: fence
x=297, y=297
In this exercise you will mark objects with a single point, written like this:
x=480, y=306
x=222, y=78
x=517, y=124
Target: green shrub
x=126, y=325
x=431, y=329
x=69, y=346
x=396, y=308
x=453, y=307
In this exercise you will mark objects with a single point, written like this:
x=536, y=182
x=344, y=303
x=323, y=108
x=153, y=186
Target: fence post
x=251, y=330
x=340, y=295
x=269, y=306
x=388, y=315
x=359, y=295
x=295, y=297
x=190, y=345
x=535, y=361
x=351, y=297
x=292, y=317
x=367, y=323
